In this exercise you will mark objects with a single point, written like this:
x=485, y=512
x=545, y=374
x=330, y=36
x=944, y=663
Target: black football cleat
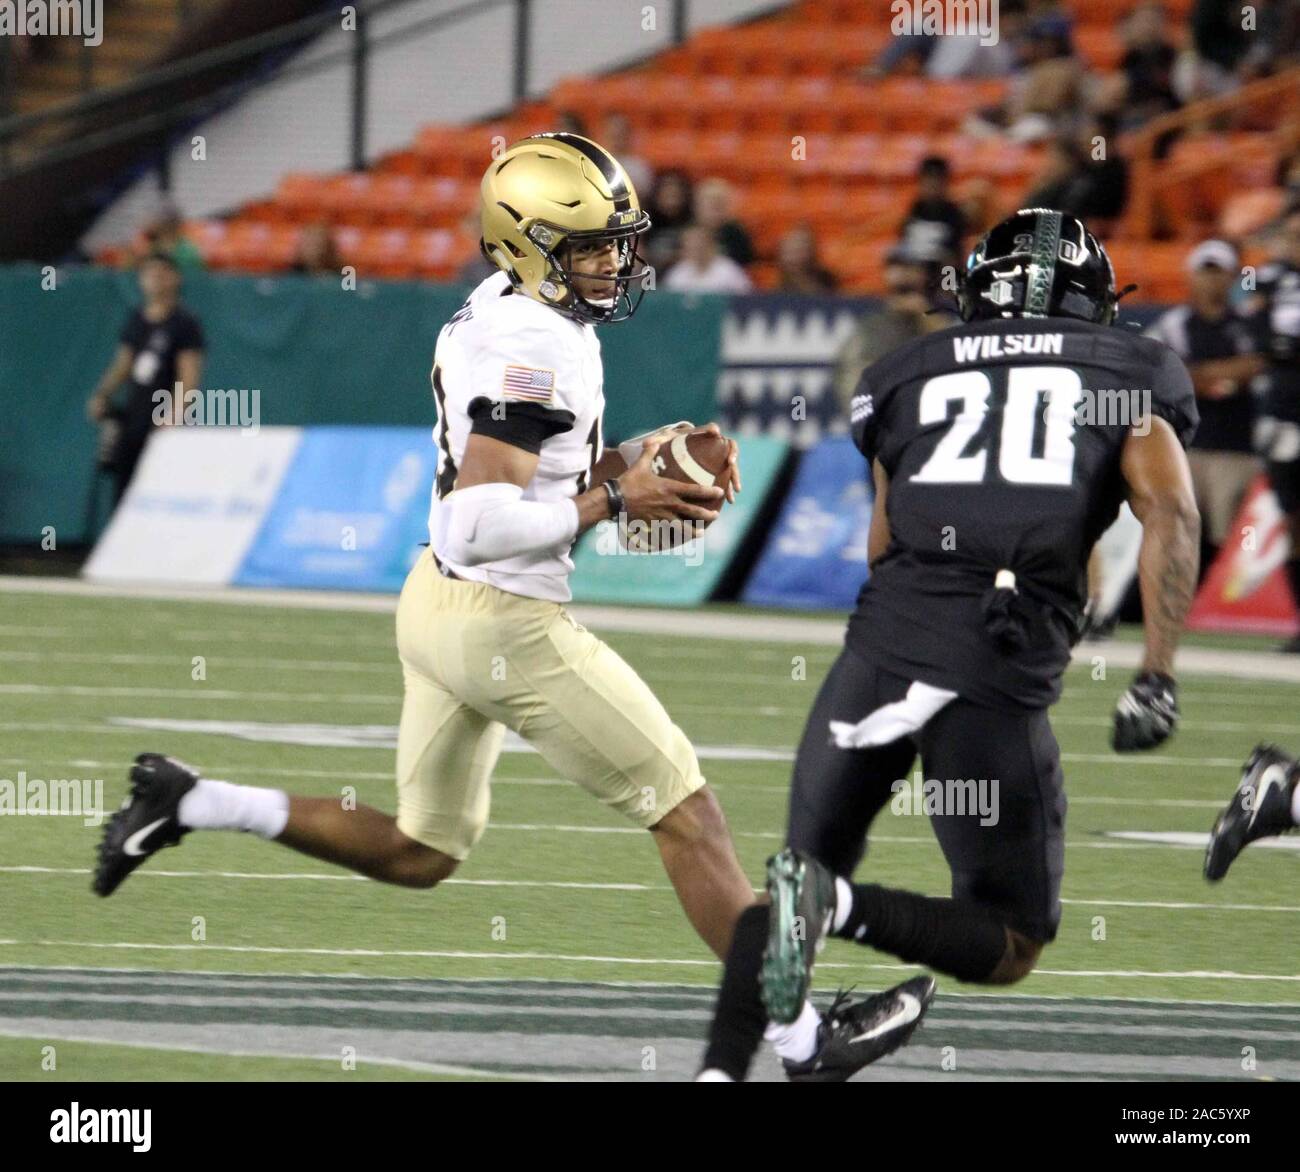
x=802, y=892
x=147, y=821
x=855, y=1034
x=1261, y=807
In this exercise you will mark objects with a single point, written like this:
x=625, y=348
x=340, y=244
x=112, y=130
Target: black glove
x=1146, y=714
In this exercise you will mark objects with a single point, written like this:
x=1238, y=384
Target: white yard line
x=750, y=628
x=580, y=958
x=339, y=877
x=331, y=1059
x=1056, y=1002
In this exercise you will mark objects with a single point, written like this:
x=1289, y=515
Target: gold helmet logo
x=547, y=193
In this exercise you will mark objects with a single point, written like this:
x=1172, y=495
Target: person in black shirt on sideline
x=935, y=225
x=1001, y=452
x=1278, y=316
x=160, y=345
x=1221, y=351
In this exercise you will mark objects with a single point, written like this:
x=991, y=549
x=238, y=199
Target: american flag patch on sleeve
x=524, y=382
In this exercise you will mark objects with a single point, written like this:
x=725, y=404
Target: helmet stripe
x=605, y=163
x=1042, y=264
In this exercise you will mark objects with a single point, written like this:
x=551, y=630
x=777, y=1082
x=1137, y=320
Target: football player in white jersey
x=485, y=641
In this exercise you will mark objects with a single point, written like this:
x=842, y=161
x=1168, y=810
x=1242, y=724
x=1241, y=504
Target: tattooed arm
x=1160, y=493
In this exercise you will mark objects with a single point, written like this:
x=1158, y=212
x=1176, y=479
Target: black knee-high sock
x=961, y=939
x=739, y=1019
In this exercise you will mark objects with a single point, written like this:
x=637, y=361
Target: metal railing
x=12, y=70
x=1149, y=180
x=91, y=122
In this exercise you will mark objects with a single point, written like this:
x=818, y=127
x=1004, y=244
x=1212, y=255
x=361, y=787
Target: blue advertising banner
x=350, y=513
x=816, y=555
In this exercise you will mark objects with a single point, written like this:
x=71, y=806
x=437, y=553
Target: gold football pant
x=477, y=661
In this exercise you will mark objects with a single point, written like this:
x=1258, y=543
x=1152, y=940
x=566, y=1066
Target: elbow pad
x=492, y=522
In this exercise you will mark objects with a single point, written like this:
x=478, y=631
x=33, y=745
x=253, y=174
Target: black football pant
x=1007, y=857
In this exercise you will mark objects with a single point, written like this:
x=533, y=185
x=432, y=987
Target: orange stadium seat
x=1099, y=45
x=385, y=252
x=254, y=247
x=301, y=197
x=782, y=107
x=205, y=235
x=859, y=264
x=441, y=253
x=1156, y=268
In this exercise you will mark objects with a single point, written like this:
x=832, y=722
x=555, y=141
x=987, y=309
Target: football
x=698, y=456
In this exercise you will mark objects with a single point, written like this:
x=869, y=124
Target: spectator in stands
x=703, y=268
x=1047, y=88
x=571, y=122
x=316, y=254
x=798, y=268
x=979, y=200
x=160, y=346
x=1220, y=350
x=1142, y=88
x=1277, y=46
x=907, y=312
x=935, y=225
x=669, y=206
x=713, y=205
x=619, y=142
x=163, y=234
x=1061, y=169
x=1219, y=45
x=1085, y=175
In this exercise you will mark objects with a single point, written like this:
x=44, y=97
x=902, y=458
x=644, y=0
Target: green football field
x=558, y=949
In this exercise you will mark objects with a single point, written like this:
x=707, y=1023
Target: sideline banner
x=816, y=555
x=1246, y=589
x=350, y=514
x=194, y=506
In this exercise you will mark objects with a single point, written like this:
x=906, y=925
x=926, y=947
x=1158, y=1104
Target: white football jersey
x=512, y=368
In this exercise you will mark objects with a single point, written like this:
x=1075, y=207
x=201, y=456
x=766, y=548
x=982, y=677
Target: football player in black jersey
x=1279, y=317
x=1001, y=450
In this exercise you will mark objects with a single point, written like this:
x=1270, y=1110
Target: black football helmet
x=1039, y=263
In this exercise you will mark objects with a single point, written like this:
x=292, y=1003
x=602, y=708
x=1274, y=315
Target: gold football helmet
x=548, y=193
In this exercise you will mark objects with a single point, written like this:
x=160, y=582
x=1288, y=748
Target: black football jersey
x=1279, y=320
x=1002, y=443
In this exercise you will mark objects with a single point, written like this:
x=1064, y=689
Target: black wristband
x=617, y=505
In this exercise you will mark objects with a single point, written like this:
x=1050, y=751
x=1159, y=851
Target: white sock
x=220, y=805
x=713, y=1074
x=798, y=1040
x=843, y=903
